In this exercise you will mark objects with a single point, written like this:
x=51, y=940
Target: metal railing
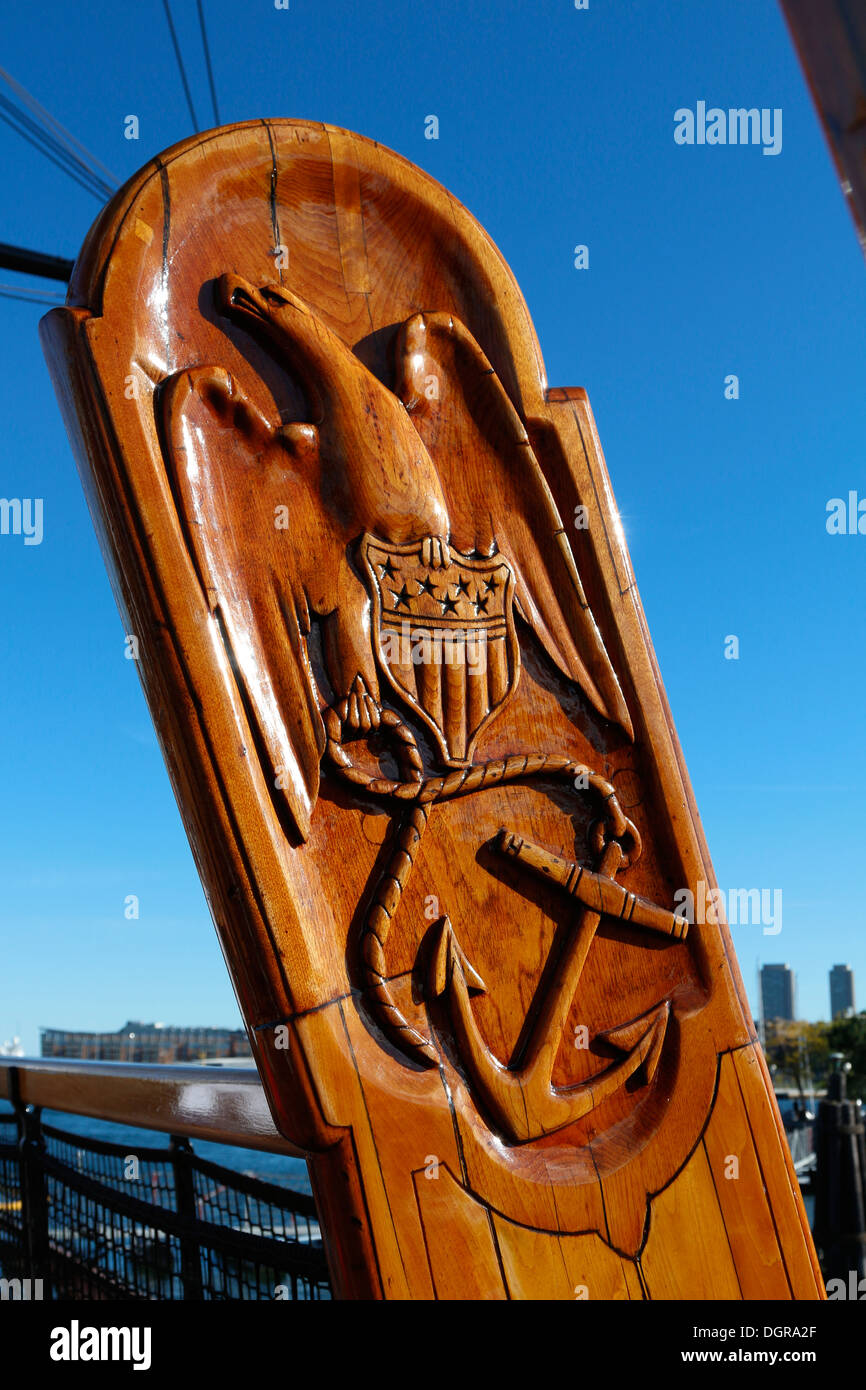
x=86, y=1218
x=801, y=1141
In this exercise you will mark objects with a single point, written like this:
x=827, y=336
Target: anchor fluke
x=446, y=955
x=645, y=1034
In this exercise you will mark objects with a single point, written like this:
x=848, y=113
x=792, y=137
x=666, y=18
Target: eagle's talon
x=435, y=553
x=363, y=711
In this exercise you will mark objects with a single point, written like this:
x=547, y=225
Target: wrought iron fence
x=99, y=1220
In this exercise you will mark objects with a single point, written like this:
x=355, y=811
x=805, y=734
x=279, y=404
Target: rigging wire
x=177, y=54
x=21, y=123
x=57, y=135
x=30, y=119
x=31, y=296
x=213, y=95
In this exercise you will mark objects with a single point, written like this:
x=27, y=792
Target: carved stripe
x=430, y=682
x=477, y=695
x=497, y=669
x=454, y=698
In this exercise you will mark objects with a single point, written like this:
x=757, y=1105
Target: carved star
x=426, y=586
x=387, y=570
x=479, y=603
x=491, y=585
x=403, y=597
x=449, y=605
x=462, y=586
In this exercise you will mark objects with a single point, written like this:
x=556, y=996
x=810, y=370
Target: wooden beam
x=830, y=38
x=224, y=1105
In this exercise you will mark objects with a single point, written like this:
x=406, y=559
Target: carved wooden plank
x=703, y=1267
x=750, y=1230
x=777, y=1173
x=393, y=647
x=464, y=1255
x=543, y=1265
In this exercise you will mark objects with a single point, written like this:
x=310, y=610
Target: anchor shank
x=547, y=1031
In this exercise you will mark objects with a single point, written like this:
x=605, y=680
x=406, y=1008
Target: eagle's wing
x=497, y=495
x=230, y=472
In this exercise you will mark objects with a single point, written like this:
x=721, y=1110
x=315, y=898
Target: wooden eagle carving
x=368, y=462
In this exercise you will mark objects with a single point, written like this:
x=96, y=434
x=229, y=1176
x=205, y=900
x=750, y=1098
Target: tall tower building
x=778, y=992
x=841, y=991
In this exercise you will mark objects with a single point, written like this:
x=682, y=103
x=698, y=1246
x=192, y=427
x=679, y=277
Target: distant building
x=778, y=992
x=841, y=991
x=147, y=1042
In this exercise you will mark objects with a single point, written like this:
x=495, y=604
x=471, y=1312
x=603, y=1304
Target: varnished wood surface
x=432, y=882
x=223, y=1105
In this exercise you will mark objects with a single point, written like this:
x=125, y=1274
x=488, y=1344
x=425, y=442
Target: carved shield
x=444, y=638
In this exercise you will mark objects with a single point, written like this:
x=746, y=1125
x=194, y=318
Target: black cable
x=177, y=54
x=19, y=258
x=213, y=95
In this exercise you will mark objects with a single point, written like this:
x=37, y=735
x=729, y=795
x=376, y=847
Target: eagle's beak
x=237, y=298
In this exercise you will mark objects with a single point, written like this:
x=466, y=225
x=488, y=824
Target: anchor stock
x=596, y=891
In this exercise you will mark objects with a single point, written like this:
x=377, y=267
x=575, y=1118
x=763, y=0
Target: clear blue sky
x=556, y=128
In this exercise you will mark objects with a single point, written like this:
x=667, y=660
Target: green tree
x=848, y=1035
x=798, y=1052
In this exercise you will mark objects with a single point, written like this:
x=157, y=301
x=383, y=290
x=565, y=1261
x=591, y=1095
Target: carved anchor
x=524, y=1103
